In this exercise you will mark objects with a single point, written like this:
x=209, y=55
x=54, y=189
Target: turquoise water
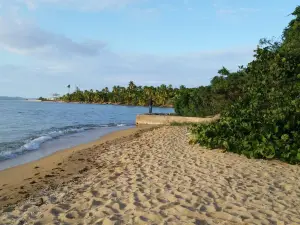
x=27, y=127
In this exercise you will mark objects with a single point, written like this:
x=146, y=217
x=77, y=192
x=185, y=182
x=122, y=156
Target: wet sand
x=20, y=182
x=63, y=142
x=151, y=177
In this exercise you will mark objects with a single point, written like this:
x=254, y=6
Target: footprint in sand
x=56, y=211
x=49, y=176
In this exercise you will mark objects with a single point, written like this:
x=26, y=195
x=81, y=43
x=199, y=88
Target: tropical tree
x=69, y=86
x=130, y=95
x=263, y=121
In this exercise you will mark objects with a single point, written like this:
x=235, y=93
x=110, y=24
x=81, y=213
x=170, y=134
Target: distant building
x=54, y=97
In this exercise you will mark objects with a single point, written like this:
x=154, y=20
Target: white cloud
x=56, y=60
x=224, y=7
x=84, y=5
x=28, y=39
x=108, y=69
x=238, y=11
x=249, y=10
x=226, y=11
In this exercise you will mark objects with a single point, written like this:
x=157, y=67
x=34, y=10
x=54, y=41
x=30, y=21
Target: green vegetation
x=131, y=95
x=177, y=124
x=211, y=100
x=196, y=102
x=224, y=90
x=42, y=99
x=259, y=104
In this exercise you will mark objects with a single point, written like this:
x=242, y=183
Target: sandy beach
x=149, y=176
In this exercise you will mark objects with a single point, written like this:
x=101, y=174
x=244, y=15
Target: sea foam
x=35, y=142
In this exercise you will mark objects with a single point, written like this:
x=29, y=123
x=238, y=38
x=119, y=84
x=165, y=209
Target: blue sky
x=47, y=44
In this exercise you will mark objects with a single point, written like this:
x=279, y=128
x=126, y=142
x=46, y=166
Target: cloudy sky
x=47, y=44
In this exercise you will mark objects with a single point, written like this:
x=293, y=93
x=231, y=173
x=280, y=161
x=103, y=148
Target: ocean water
x=31, y=130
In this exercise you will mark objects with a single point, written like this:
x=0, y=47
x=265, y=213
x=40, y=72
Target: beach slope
x=156, y=177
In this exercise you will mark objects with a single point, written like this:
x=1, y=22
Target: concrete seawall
x=167, y=120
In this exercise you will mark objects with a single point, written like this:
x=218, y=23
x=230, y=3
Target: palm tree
x=131, y=95
x=131, y=85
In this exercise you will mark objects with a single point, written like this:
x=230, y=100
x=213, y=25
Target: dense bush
x=197, y=102
x=213, y=99
x=264, y=120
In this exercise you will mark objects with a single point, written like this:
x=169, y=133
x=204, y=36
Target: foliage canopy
x=263, y=117
x=130, y=95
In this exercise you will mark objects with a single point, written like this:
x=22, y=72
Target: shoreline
x=23, y=181
x=59, y=143
x=106, y=103
x=153, y=176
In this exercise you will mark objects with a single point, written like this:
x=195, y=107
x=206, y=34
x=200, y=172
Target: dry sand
x=157, y=178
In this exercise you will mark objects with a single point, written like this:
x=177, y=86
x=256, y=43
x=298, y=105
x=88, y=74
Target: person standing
x=150, y=105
